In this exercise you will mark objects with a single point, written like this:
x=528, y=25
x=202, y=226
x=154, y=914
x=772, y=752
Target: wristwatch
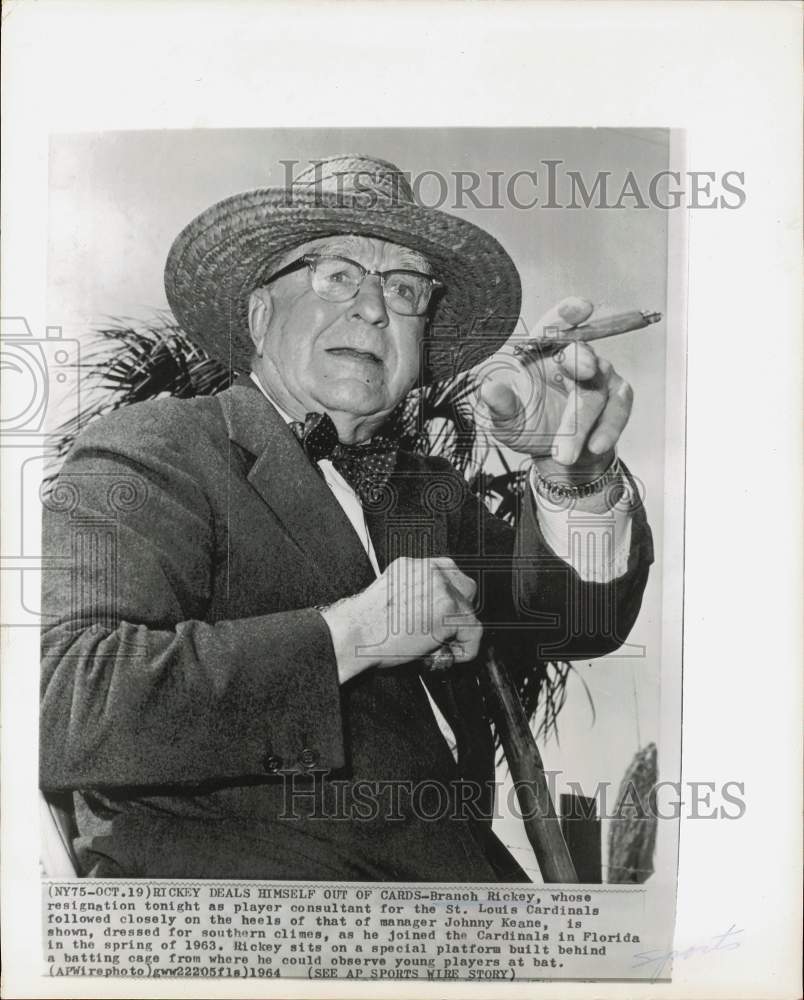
x=559, y=489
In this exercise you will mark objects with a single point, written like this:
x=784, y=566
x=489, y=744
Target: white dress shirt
x=595, y=545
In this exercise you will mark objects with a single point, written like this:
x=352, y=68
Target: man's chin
x=354, y=397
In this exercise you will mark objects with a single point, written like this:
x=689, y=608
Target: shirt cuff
x=595, y=545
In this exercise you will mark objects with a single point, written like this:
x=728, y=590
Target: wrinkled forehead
x=356, y=247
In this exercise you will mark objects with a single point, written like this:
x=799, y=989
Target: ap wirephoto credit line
x=353, y=569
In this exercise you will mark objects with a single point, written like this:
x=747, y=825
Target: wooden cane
x=524, y=763
x=527, y=770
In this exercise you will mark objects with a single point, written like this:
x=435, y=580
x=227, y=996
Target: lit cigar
x=607, y=326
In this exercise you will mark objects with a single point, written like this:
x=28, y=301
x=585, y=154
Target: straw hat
x=232, y=248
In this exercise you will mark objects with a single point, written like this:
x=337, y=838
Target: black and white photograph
x=352, y=558
x=352, y=572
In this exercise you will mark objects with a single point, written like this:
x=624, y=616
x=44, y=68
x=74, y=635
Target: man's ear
x=260, y=310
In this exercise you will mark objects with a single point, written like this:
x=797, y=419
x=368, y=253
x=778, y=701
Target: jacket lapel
x=295, y=491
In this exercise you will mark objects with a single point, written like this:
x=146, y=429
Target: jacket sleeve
x=137, y=688
x=534, y=601
x=574, y=618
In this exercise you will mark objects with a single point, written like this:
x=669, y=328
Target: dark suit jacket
x=189, y=687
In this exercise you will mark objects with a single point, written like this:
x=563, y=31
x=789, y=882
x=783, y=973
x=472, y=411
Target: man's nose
x=369, y=303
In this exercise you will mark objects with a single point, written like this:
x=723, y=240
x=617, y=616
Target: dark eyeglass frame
x=309, y=260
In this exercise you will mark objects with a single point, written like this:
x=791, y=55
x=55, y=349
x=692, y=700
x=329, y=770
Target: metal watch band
x=556, y=490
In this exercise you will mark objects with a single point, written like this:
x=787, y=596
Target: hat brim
x=230, y=249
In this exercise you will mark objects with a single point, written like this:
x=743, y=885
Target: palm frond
x=129, y=364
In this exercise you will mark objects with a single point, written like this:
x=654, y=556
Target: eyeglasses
x=338, y=279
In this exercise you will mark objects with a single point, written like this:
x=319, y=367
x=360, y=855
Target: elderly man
x=236, y=690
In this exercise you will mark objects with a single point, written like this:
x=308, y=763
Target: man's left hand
x=566, y=410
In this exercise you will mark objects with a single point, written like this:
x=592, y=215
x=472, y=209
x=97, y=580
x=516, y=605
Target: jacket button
x=272, y=763
x=308, y=758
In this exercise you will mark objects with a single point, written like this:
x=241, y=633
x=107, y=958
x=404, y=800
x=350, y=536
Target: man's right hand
x=415, y=607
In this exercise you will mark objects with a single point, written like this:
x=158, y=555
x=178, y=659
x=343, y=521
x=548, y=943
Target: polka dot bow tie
x=366, y=468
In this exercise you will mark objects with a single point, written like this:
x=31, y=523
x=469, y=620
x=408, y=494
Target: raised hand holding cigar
x=561, y=403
